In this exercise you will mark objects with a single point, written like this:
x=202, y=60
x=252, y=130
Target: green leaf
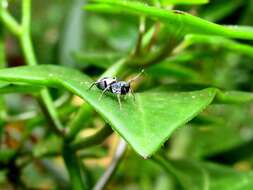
x=14, y=88
x=222, y=97
x=219, y=41
x=179, y=87
x=207, y=176
x=3, y=84
x=145, y=123
x=234, y=97
x=177, y=20
x=184, y=2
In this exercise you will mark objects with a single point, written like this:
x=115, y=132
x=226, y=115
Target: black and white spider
x=111, y=84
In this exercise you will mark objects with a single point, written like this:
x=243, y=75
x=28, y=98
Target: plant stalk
x=93, y=140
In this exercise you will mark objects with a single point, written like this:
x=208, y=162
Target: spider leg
x=132, y=93
x=136, y=77
x=120, y=106
x=104, y=92
x=92, y=85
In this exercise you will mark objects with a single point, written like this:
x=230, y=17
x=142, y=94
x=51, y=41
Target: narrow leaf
x=184, y=2
x=13, y=88
x=220, y=9
x=177, y=20
x=234, y=97
x=219, y=41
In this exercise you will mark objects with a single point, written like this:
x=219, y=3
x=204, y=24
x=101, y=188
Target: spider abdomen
x=105, y=82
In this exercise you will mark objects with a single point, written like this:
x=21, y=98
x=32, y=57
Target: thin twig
x=53, y=124
x=108, y=174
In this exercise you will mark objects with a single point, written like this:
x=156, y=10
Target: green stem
x=142, y=29
x=47, y=107
x=22, y=32
x=27, y=47
x=93, y=140
x=25, y=38
x=9, y=22
x=26, y=15
x=190, y=24
x=76, y=124
x=74, y=168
